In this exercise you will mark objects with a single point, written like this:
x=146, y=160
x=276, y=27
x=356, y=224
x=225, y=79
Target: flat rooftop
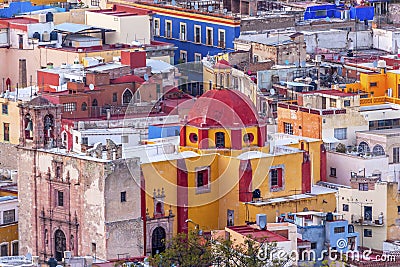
x=258, y=234
x=384, y=132
x=331, y=92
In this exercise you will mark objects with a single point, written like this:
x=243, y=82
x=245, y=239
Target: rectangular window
x=197, y=57
x=6, y=131
x=276, y=177
x=221, y=38
x=345, y=207
x=15, y=248
x=203, y=180
x=69, y=106
x=183, y=56
x=182, y=31
x=367, y=232
x=197, y=34
x=332, y=103
x=95, y=2
x=396, y=155
x=346, y=103
x=4, y=249
x=314, y=245
x=123, y=196
x=85, y=141
x=373, y=84
x=4, y=109
x=320, y=13
x=338, y=230
x=333, y=172
x=209, y=36
x=340, y=133
x=60, y=198
x=115, y=97
x=156, y=27
x=398, y=209
x=125, y=139
x=8, y=216
x=363, y=186
x=288, y=128
x=168, y=29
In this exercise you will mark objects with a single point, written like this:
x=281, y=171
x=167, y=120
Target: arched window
x=127, y=97
x=48, y=129
x=94, y=103
x=363, y=147
x=84, y=106
x=28, y=127
x=378, y=150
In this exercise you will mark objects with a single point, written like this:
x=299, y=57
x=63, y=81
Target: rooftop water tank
x=45, y=36
x=49, y=17
x=36, y=35
x=53, y=36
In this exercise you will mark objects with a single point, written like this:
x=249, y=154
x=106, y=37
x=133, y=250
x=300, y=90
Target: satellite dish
x=272, y=91
x=287, y=62
x=146, y=77
x=91, y=86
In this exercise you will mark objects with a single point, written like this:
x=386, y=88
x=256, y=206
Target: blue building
x=324, y=231
x=196, y=34
x=327, y=11
x=164, y=130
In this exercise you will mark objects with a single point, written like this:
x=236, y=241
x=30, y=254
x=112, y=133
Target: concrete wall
x=386, y=40
x=261, y=24
x=347, y=163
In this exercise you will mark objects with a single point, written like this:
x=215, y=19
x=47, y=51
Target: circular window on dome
x=248, y=138
x=193, y=137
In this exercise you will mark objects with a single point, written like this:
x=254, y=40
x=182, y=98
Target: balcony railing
x=374, y=221
x=311, y=110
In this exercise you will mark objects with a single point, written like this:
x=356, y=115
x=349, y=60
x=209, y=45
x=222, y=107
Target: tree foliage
x=193, y=250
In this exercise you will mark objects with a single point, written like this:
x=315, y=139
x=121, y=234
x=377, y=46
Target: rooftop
x=122, y=11
x=8, y=198
x=330, y=92
x=385, y=132
x=257, y=234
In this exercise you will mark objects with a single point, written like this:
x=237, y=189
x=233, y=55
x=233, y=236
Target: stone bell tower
x=40, y=124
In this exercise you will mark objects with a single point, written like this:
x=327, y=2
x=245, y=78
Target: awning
x=330, y=140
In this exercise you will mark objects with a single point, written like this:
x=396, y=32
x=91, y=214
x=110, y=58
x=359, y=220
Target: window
x=85, y=140
x=367, y=232
x=183, y=56
x=193, y=137
x=69, y=106
x=333, y=172
x=340, y=133
x=363, y=186
x=60, y=198
x=221, y=38
x=275, y=177
x=288, y=128
x=314, y=245
x=209, y=36
x=203, y=180
x=368, y=213
x=248, y=137
x=197, y=57
x=127, y=97
x=95, y=2
x=363, y=147
x=332, y=103
x=396, y=155
x=197, y=34
x=373, y=84
x=320, y=13
x=6, y=131
x=14, y=246
x=168, y=29
x=84, y=106
x=4, y=249
x=4, y=109
x=220, y=140
x=94, y=248
x=345, y=207
x=125, y=139
x=182, y=32
x=156, y=27
x=398, y=209
x=346, y=103
x=378, y=150
x=123, y=196
x=115, y=97
x=8, y=216
x=338, y=230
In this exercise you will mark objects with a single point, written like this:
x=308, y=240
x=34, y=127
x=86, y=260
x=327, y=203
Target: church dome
x=223, y=108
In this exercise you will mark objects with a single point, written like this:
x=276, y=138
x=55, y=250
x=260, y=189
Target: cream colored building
x=372, y=207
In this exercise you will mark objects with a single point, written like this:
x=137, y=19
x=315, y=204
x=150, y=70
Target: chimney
x=135, y=59
x=22, y=73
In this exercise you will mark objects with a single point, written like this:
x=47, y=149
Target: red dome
x=223, y=108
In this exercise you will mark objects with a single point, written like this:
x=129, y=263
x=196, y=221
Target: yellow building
x=8, y=220
x=225, y=172
x=10, y=123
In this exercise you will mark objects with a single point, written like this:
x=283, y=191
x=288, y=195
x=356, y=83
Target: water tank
x=36, y=35
x=45, y=36
x=42, y=18
x=381, y=64
x=49, y=17
x=53, y=36
x=329, y=217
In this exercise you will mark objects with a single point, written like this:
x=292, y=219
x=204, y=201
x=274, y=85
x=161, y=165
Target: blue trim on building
x=231, y=32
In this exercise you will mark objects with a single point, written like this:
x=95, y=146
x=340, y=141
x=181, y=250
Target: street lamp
x=196, y=226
